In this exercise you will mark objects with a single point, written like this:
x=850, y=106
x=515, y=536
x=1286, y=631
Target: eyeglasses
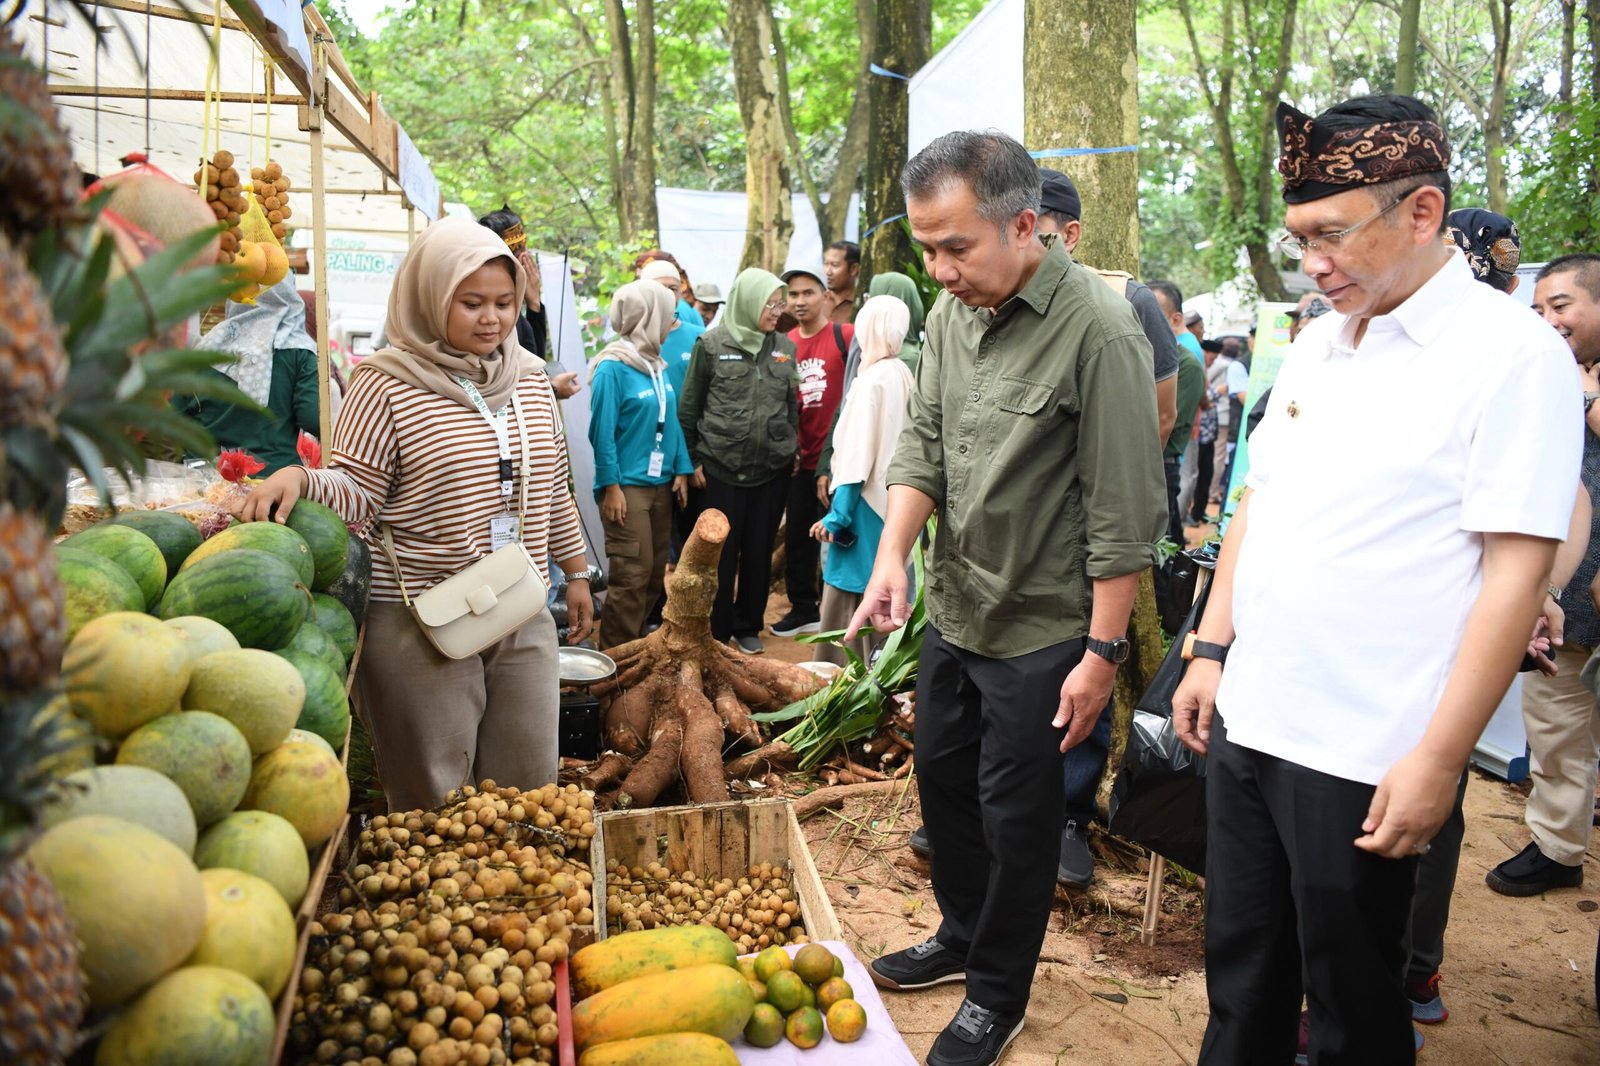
x=1300, y=247
x=776, y=305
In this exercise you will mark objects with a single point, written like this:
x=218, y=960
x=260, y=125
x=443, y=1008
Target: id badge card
x=657, y=461
x=502, y=531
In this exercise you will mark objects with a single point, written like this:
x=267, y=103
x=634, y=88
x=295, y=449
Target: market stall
x=262, y=79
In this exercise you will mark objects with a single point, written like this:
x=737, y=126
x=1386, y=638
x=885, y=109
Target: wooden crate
x=714, y=840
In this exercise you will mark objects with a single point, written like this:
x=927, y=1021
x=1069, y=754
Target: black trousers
x=1174, y=518
x=802, y=554
x=1286, y=888
x=989, y=770
x=1205, y=468
x=1436, y=883
x=745, y=573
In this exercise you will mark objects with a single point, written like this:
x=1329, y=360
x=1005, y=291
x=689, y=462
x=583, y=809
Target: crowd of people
x=1060, y=422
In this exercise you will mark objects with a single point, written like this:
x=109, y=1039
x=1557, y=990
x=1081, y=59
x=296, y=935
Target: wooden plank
x=820, y=921
x=630, y=836
x=686, y=838
x=769, y=841
x=735, y=842
x=597, y=884
x=138, y=7
x=309, y=906
x=137, y=92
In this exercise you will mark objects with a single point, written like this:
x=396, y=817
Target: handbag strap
x=522, y=503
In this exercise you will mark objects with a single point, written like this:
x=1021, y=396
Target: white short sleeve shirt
x=1376, y=471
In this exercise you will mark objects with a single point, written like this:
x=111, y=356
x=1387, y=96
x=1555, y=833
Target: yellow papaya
x=648, y=951
x=715, y=1000
x=670, y=1049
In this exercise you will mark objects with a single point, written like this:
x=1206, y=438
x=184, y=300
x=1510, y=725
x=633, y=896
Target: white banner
x=416, y=177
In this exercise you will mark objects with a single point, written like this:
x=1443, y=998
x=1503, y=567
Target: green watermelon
x=333, y=618
x=93, y=585
x=256, y=595
x=354, y=585
x=268, y=537
x=174, y=534
x=327, y=536
x=130, y=549
x=311, y=639
x=203, y=753
x=326, y=711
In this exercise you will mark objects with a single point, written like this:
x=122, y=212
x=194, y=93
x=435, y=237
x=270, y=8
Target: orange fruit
x=786, y=991
x=245, y=293
x=814, y=964
x=770, y=962
x=804, y=1028
x=277, y=267
x=846, y=1021
x=838, y=966
x=747, y=967
x=832, y=991
x=758, y=990
x=251, y=261
x=766, y=1026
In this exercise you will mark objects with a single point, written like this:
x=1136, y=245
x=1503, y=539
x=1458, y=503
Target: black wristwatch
x=1115, y=651
x=1195, y=648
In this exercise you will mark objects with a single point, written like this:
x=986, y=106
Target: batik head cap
x=1489, y=241
x=1316, y=162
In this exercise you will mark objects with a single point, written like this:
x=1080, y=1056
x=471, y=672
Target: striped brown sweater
x=427, y=467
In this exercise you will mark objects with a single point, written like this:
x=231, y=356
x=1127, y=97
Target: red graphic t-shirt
x=820, y=360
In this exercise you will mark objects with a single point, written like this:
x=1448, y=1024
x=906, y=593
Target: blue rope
x=1062, y=153
x=884, y=72
x=885, y=222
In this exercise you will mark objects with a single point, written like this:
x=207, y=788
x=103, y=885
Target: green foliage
x=1558, y=209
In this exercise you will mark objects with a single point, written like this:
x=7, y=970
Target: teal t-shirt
x=850, y=568
x=680, y=343
x=622, y=427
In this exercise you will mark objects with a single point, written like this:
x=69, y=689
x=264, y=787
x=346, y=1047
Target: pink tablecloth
x=880, y=1045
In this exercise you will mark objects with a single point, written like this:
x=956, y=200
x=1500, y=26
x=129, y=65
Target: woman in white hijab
x=863, y=444
x=438, y=438
x=640, y=459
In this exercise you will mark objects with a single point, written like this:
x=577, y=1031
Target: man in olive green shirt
x=1032, y=432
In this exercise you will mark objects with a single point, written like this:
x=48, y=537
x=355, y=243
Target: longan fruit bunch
x=224, y=196
x=272, y=193
x=757, y=910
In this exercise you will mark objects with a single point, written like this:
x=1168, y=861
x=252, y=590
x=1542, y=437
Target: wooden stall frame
x=717, y=838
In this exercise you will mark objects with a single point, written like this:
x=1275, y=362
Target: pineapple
x=41, y=989
x=41, y=182
x=32, y=365
x=31, y=614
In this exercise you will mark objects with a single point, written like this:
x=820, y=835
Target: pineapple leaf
x=33, y=476
x=87, y=457
x=155, y=297
x=165, y=425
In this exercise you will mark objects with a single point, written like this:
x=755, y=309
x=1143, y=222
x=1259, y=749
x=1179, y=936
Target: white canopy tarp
x=705, y=232
x=111, y=125
x=975, y=82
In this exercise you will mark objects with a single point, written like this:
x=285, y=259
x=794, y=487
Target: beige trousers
x=1564, y=743
x=438, y=723
x=636, y=549
x=837, y=608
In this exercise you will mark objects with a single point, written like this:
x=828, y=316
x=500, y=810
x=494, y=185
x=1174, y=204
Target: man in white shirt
x=1374, y=592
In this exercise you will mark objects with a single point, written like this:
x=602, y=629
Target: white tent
x=975, y=82
x=705, y=232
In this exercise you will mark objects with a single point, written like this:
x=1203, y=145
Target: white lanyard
x=659, y=383
x=497, y=422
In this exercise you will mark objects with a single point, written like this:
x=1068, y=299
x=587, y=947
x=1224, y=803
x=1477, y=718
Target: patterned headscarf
x=1489, y=241
x=253, y=332
x=1317, y=162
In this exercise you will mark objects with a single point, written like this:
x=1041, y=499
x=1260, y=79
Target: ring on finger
x=1422, y=848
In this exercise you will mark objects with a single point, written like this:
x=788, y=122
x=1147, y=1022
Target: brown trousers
x=838, y=607
x=637, y=551
x=438, y=723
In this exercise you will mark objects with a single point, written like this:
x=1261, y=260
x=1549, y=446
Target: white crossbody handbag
x=489, y=600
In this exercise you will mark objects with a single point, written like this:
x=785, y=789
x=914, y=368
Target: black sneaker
x=974, y=1037
x=1076, y=867
x=921, y=965
x=1529, y=873
x=919, y=842
x=797, y=622
x=749, y=645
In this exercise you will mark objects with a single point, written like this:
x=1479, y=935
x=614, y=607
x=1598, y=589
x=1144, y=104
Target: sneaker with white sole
x=748, y=645
x=796, y=622
x=976, y=1036
x=921, y=965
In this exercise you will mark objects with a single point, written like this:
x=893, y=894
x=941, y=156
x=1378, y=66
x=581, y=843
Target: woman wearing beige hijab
x=419, y=448
x=640, y=459
x=863, y=443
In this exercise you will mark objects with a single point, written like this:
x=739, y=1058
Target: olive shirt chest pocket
x=1022, y=415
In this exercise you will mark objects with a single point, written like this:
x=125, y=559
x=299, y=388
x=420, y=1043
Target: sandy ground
x=1518, y=974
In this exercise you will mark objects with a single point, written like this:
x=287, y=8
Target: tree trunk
x=1569, y=33
x=631, y=118
x=903, y=41
x=1136, y=675
x=770, y=220
x=1405, y=66
x=679, y=691
x=1494, y=126
x=1073, y=54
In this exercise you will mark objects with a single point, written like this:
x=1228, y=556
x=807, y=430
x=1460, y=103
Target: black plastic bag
x=1159, y=797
